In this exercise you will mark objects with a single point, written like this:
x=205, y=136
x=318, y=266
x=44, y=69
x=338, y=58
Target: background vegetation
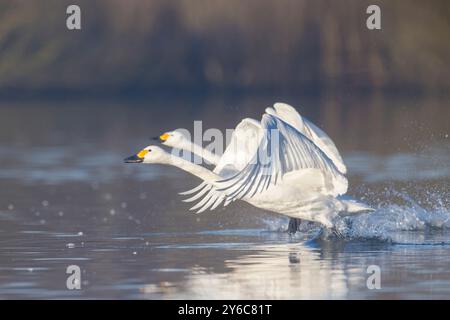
x=138, y=46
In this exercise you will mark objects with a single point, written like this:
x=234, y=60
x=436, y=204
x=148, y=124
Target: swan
x=285, y=112
x=283, y=171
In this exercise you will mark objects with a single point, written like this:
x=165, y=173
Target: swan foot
x=294, y=223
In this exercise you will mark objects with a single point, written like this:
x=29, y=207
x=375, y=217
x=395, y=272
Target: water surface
x=66, y=198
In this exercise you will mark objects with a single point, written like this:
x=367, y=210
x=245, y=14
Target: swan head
x=174, y=139
x=150, y=154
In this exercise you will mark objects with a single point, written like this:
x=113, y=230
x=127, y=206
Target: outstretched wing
x=282, y=149
x=243, y=144
x=289, y=115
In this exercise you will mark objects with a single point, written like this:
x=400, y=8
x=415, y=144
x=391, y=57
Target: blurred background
x=143, y=47
x=74, y=104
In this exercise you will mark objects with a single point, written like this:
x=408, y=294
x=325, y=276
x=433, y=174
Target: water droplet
x=112, y=212
x=143, y=196
x=80, y=233
x=95, y=185
x=11, y=207
x=108, y=196
x=60, y=213
x=70, y=245
x=134, y=252
x=45, y=203
x=123, y=205
x=42, y=221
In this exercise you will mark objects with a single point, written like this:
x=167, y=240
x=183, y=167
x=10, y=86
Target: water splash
x=399, y=218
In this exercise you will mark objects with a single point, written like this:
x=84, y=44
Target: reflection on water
x=66, y=198
x=269, y=271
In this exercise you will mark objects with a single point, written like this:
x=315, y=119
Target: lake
x=67, y=198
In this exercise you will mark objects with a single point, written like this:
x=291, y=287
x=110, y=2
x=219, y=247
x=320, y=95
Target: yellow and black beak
x=137, y=158
x=133, y=159
x=162, y=138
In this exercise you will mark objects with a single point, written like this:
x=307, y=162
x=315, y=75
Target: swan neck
x=193, y=168
x=207, y=155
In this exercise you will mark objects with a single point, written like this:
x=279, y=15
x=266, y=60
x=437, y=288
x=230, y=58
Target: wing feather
x=283, y=149
x=289, y=115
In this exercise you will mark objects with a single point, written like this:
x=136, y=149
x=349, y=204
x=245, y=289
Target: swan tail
x=353, y=207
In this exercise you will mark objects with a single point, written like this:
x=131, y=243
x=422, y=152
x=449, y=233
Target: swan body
x=284, y=164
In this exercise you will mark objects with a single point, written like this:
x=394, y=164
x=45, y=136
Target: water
x=67, y=199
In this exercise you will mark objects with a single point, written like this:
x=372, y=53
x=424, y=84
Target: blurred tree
x=203, y=45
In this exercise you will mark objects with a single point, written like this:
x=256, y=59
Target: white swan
x=284, y=170
x=236, y=155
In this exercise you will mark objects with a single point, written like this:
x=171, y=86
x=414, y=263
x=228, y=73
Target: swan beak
x=133, y=159
x=162, y=138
